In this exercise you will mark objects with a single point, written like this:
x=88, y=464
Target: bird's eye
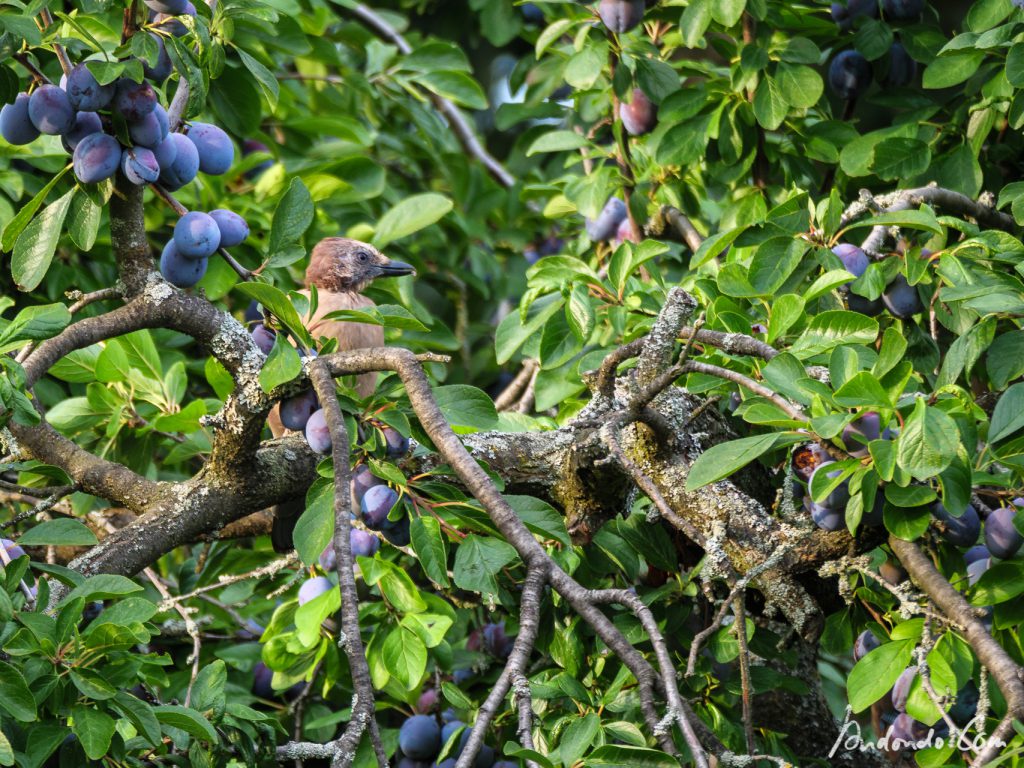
x=363, y=256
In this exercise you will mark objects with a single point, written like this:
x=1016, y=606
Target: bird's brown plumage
x=341, y=268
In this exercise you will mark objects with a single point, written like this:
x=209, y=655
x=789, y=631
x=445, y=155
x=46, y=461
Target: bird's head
x=340, y=265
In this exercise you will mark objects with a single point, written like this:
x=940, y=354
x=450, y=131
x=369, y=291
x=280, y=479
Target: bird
x=341, y=269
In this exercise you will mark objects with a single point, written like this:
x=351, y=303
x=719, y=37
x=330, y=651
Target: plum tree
x=264, y=337
x=397, y=532
x=317, y=433
x=1002, y=538
x=621, y=15
x=214, y=147
x=363, y=480
x=313, y=588
x=180, y=270
x=233, y=228
x=197, y=235
x=50, y=110
x=495, y=641
x=96, y=158
x=428, y=701
x=828, y=518
x=420, y=737
x=639, y=115
x=84, y=91
x=849, y=75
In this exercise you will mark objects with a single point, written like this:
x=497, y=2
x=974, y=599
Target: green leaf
x=431, y=548
x=832, y=329
x=899, y=158
x=34, y=324
x=1001, y=582
x=774, y=262
x=315, y=527
x=6, y=751
x=1004, y=360
x=266, y=79
x=17, y=699
x=478, y=560
x=61, y=532
x=411, y=215
x=467, y=409
x=282, y=365
x=695, y=21
x=404, y=656
x=721, y=460
x=35, y=247
x=186, y=719
x=140, y=715
x=923, y=219
x=928, y=442
x=101, y=587
x=429, y=627
x=577, y=737
x=540, y=517
x=292, y=217
x=770, y=106
x=455, y=86
x=84, y=222
x=953, y=69
x=863, y=389
x=275, y=300
x=620, y=756
x=17, y=225
x=557, y=141
x=94, y=730
x=386, y=315
x=799, y=85
x=874, y=675
x=1008, y=416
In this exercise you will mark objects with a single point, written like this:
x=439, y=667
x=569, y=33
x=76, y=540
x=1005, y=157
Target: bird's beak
x=397, y=269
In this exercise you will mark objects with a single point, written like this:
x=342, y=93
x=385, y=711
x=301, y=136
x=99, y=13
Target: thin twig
x=456, y=121
x=740, y=630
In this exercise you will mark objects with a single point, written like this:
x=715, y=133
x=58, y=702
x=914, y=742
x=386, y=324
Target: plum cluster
x=197, y=236
x=376, y=501
x=421, y=738
x=899, y=297
x=899, y=724
x=850, y=73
